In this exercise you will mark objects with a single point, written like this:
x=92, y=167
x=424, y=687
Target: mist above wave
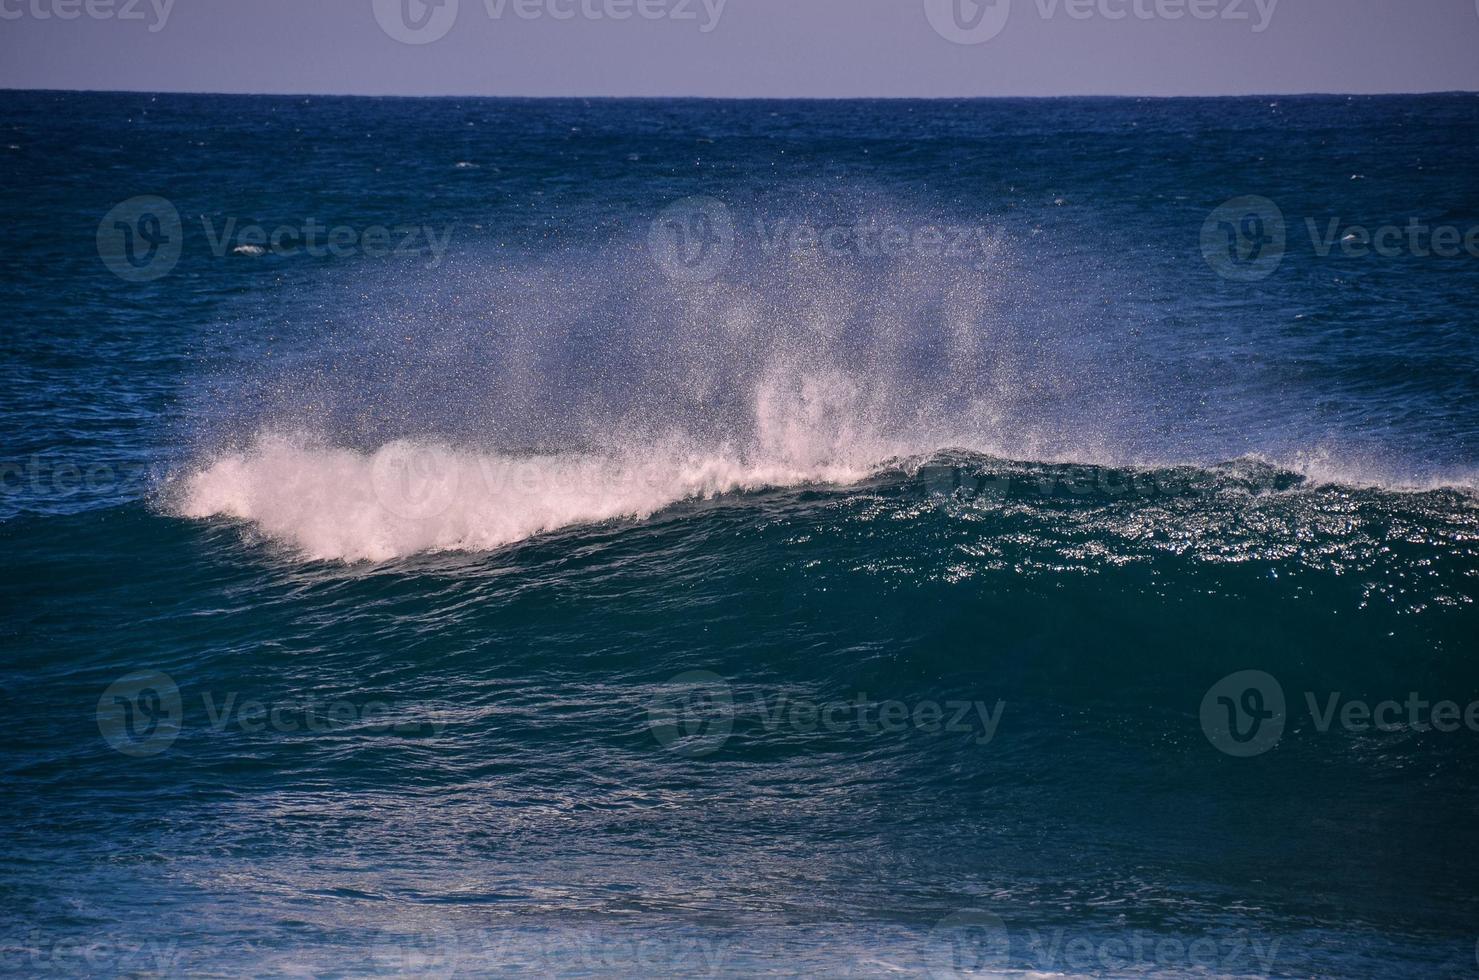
x=600, y=346
x=513, y=396
x=501, y=397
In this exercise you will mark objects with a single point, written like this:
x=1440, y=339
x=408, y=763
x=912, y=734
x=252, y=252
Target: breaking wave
x=499, y=399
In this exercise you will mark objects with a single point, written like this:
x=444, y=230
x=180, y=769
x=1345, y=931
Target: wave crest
x=408, y=497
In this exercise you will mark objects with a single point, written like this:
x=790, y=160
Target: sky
x=743, y=48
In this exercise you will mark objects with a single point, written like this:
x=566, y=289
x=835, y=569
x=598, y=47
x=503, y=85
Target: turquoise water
x=612, y=579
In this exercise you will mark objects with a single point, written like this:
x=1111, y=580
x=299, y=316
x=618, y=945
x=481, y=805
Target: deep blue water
x=607, y=582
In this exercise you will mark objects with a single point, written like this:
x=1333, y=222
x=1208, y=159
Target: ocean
x=466, y=537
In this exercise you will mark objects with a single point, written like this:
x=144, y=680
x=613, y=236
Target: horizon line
x=746, y=98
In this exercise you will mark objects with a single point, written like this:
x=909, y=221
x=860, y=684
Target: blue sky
x=770, y=48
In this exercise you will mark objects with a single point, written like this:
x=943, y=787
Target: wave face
x=1056, y=608
x=409, y=497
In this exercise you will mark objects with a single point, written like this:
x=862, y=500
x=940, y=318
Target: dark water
x=606, y=582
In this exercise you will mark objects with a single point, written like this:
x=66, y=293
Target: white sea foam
x=413, y=496
x=418, y=495
x=409, y=497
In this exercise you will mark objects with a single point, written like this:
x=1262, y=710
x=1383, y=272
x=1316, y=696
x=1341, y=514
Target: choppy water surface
x=857, y=538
